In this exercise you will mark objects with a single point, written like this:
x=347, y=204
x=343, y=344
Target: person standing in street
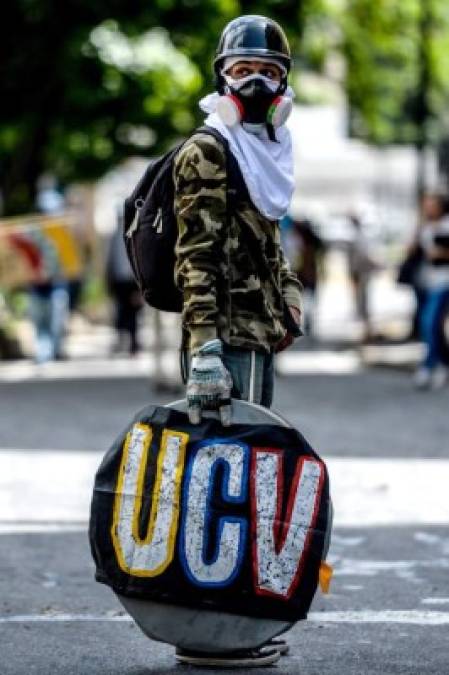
x=49, y=297
x=361, y=268
x=434, y=242
x=307, y=260
x=241, y=302
x=123, y=289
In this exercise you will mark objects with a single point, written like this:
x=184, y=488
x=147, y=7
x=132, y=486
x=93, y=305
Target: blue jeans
x=49, y=311
x=252, y=374
x=430, y=324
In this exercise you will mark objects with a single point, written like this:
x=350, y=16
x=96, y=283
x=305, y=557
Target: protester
x=241, y=302
x=434, y=242
x=125, y=293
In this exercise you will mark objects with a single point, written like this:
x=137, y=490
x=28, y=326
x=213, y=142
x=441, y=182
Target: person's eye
x=242, y=72
x=269, y=72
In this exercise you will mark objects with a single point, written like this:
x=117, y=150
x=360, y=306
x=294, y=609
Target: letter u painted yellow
x=150, y=555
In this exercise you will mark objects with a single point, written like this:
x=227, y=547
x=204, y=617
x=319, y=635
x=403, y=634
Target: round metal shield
x=205, y=630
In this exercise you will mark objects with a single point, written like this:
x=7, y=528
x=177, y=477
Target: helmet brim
x=253, y=53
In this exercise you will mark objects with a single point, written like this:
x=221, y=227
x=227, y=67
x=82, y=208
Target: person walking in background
x=49, y=312
x=308, y=249
x=49, y=297
x=125, y=293
x=361, y=268
x=434, y=242
x=410, y=274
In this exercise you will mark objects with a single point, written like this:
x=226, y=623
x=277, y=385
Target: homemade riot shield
x=212, y=537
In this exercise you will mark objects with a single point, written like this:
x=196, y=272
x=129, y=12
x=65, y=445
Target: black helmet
x=252, y=36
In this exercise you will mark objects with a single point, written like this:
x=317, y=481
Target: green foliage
x=388, y=57
x=85, y=84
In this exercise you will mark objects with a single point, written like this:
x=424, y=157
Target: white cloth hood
x=266, y=166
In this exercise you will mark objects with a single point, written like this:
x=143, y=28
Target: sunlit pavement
x=335, y=350
x=388, y=455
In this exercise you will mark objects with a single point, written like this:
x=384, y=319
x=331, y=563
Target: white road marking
x=435, y=601
x=427, y=538
x=55, y=487
x=370, y=568
x=46, y=486
x=347, y=541
x=375, y=492
x=41, y=528
x=64, y=618
x=413, y=617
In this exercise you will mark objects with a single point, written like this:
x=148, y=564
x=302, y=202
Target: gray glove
x=209, y=384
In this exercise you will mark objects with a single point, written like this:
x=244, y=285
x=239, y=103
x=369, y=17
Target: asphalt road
x=46, y=577
x=388, y=610
x=374, y=413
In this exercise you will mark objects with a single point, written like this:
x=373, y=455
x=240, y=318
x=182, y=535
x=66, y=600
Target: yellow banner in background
x=38, y=249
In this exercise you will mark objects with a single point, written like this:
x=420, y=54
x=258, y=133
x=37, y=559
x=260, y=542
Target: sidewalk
x=89, y=356
x=335, y=348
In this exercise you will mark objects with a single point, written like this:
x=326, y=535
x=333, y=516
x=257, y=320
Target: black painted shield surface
x=204, y=516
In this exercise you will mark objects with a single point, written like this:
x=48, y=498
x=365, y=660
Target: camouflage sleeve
x=200, y=208
x=291, y=286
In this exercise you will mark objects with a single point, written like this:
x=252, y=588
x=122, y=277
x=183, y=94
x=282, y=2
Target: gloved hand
x=209, y=384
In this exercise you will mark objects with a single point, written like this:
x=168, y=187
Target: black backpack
x=151, y=230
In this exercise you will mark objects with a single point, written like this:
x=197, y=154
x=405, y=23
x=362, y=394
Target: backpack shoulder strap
x=236, y=187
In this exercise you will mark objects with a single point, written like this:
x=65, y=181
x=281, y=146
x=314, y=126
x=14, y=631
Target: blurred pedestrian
x=434, y=241
x=123, y=289
x=410, y=274
x=288, y=243
x=308, y=249
x=49, y=311
x=79, y=204
x=361, y=267
x=49, y=297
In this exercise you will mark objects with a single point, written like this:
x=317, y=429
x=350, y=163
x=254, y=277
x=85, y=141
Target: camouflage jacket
x=226, y=293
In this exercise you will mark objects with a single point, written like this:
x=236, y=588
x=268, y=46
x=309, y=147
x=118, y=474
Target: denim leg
x=41, y=316
x=59, y=302
x=238, y=363
x=430, y=324
x=252, y=374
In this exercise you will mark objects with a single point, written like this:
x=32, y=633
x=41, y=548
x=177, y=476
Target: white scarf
x=266, y=166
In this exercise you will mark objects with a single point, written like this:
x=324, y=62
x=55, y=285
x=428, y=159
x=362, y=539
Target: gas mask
x=256, y=102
